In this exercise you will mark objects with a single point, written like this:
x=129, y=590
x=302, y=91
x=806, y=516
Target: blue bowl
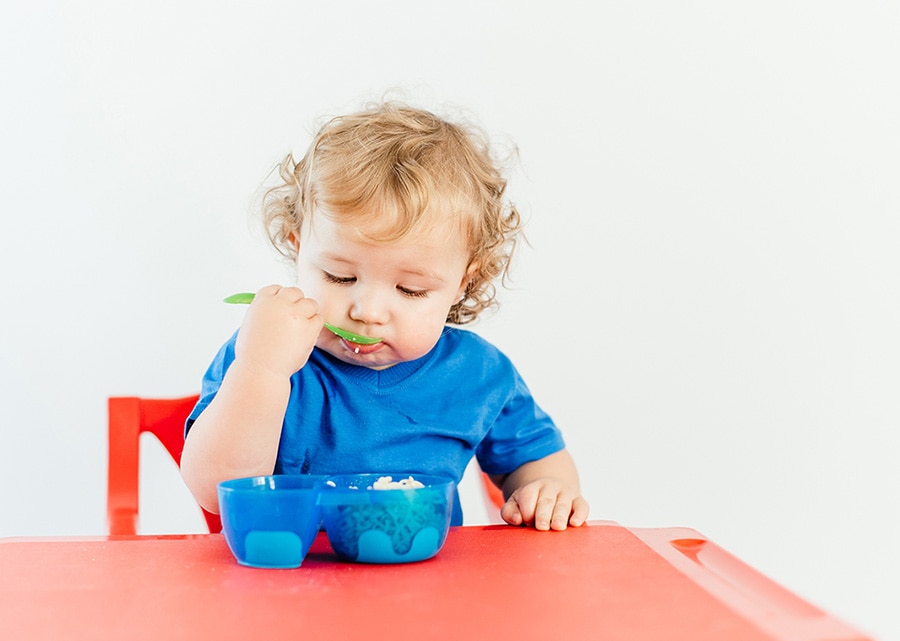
x=270, y=521
x=386, y=526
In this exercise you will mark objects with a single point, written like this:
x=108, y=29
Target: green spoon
x=246, y=298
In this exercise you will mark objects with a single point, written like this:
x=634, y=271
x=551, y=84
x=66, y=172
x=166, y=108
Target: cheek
x=312, y=286
x=416, y=341
x=302, y=278
x=427, y=326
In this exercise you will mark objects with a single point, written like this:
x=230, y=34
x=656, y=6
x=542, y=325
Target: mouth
x=361, y=348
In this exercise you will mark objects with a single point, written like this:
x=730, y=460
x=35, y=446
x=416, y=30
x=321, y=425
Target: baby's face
x=399, y=292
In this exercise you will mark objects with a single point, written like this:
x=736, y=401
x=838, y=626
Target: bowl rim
x=270, y=482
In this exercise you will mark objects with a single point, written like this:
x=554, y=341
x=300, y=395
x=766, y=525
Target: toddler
x=398, y=227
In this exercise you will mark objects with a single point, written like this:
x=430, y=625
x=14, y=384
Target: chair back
x=129, y=417
x=493, y=495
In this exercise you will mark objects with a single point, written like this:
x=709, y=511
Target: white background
x=709, y=306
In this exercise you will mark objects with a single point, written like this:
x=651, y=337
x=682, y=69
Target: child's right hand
x=279, y=331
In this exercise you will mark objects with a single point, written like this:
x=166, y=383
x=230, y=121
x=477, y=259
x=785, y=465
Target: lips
x=356, y=348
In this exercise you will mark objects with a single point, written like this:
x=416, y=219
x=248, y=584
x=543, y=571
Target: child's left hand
x=547, y=504
x=544, y=493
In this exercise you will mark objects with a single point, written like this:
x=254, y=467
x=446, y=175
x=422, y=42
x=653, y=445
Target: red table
x=601, y=581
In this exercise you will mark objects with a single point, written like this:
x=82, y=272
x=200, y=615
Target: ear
x=461, y=294
x=294, y=239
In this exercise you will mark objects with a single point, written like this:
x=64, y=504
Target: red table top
x=601, y=581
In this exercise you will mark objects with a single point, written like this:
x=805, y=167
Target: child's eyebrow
x=424, y=273
x=336, y=258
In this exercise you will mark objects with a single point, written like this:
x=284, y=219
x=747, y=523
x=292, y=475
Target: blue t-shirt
x=427, y=416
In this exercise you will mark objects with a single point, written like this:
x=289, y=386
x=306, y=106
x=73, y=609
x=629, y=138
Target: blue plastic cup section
x=386, y=526
x=270, y=521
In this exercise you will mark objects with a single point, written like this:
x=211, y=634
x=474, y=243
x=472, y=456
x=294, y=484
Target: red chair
x=493, y=495
x=164, y=418
x=129, y=417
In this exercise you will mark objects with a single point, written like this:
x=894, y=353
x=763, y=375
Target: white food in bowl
x=388, y=483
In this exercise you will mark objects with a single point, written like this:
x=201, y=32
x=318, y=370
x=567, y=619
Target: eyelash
x=413, y=293
x=338, y=280
x=331, y=278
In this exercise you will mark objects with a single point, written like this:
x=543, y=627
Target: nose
x=369, y=307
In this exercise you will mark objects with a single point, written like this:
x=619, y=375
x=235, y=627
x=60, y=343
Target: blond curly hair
x=397, y=171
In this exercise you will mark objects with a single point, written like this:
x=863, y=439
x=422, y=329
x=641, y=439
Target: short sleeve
x=212, y=380
x=522, y=433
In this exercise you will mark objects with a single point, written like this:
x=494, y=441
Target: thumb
x=511, y=513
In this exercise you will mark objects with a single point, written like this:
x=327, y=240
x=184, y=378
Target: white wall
x=709, y=306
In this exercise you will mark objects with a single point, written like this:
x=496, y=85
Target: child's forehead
x=419, y=252
x=383, y=225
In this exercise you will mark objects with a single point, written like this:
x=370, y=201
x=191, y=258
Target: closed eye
x=349, y=280
x=413, y=293
x=339, y=280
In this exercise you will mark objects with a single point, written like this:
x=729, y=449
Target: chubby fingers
x=290, y=295
x=511, y=513
x=288, y=299
x=580, y=510
x=279, y=330
x=545, y=506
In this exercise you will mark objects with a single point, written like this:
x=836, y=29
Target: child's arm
x=237, y=435
x=544, y=493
